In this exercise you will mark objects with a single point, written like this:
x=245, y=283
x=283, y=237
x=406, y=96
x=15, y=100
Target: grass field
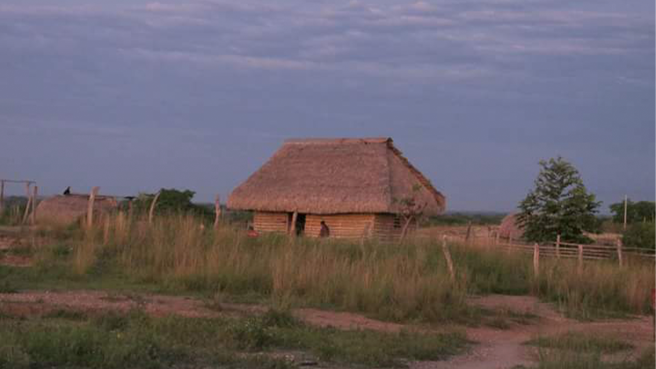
x=407, y=283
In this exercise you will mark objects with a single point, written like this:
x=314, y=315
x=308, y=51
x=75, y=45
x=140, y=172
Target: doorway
x=299, y=227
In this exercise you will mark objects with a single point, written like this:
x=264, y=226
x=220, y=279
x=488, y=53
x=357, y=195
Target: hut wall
x=270, y=222
x=387, y=227
x=341, y=225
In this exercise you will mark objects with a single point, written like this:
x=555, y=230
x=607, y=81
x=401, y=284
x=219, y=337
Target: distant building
x=354, y=185
x=68, y=209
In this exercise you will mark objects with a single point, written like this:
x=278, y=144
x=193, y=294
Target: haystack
x=67, y=209
x=509, y=227
x=355, y=185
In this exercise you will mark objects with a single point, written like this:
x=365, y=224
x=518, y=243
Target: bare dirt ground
x=505, y=348
x=494, y=348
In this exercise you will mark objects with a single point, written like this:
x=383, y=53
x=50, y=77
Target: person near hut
x=252, y=232
x=325, y=231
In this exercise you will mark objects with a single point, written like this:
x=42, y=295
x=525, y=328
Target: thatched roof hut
x=509, y=227
x=350, y=183
x=67, y=209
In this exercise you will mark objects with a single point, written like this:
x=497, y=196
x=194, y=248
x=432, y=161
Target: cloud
x=456, y=78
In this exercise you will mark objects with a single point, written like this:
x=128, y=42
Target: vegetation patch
x=134, y=339
x=582, y=342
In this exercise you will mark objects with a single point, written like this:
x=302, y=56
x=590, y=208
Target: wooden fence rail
x=585, y=252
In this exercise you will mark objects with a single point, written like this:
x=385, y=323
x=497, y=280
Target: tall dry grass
x=391, y=281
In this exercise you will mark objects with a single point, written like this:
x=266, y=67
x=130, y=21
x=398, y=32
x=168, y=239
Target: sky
x=133, y=96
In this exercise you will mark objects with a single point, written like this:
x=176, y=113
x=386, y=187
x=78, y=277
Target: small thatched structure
x=355, y=185
x=67, y=209
x=509, y=227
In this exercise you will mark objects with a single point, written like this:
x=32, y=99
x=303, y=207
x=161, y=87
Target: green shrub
x=640, y=235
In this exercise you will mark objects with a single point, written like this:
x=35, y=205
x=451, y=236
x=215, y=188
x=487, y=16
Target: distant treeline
x=462, y=218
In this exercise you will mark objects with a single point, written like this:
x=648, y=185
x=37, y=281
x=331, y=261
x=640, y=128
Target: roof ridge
x=320, y=140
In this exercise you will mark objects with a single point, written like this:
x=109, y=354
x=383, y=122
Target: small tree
x=410, y=209
x=559, y=204
x=171, y=201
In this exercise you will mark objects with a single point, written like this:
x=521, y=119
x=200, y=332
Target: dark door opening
x=299, y=226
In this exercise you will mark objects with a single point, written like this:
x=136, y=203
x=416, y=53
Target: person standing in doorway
x=325, y=231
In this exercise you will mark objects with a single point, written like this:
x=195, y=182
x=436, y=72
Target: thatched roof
x=336, y=176
x=509, y=227
x=66, y=209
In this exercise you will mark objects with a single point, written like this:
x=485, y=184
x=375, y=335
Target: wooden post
x=496, y=237
x=152, y=208
x=447, y=256
x=536, y=260
x=619, y=253
x=2, y=196
x=35, y=193
x=558, y=246
x=468, y=236
x=92, y=199
x=580, y=270
x=28, y=195
x=217, y=211
x=292, y=227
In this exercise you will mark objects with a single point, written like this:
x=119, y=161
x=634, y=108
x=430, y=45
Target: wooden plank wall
x=353, y=226
x=341, y=225
x=384, y=227
x=270, y=222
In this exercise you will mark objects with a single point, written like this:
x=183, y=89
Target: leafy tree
x=559, y=204
x=171, y=201
x=640, y=211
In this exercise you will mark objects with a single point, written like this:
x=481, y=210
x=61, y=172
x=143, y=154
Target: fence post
x=447, y=256
x=496, y=237
x=29, y=202
x=558, y=246
x=580, y=270
x=536, y=259
x=92, y=198
x=152, y=208
x=35, y=193
x=217, y=211
x=619, y=253
x=468, y=236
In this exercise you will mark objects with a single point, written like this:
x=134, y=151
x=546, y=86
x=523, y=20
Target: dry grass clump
x=384, y=280
x=391, y=281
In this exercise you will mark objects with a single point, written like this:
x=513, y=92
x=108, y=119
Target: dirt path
x=30, y=303
x=495, y=348
x=500, y=349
